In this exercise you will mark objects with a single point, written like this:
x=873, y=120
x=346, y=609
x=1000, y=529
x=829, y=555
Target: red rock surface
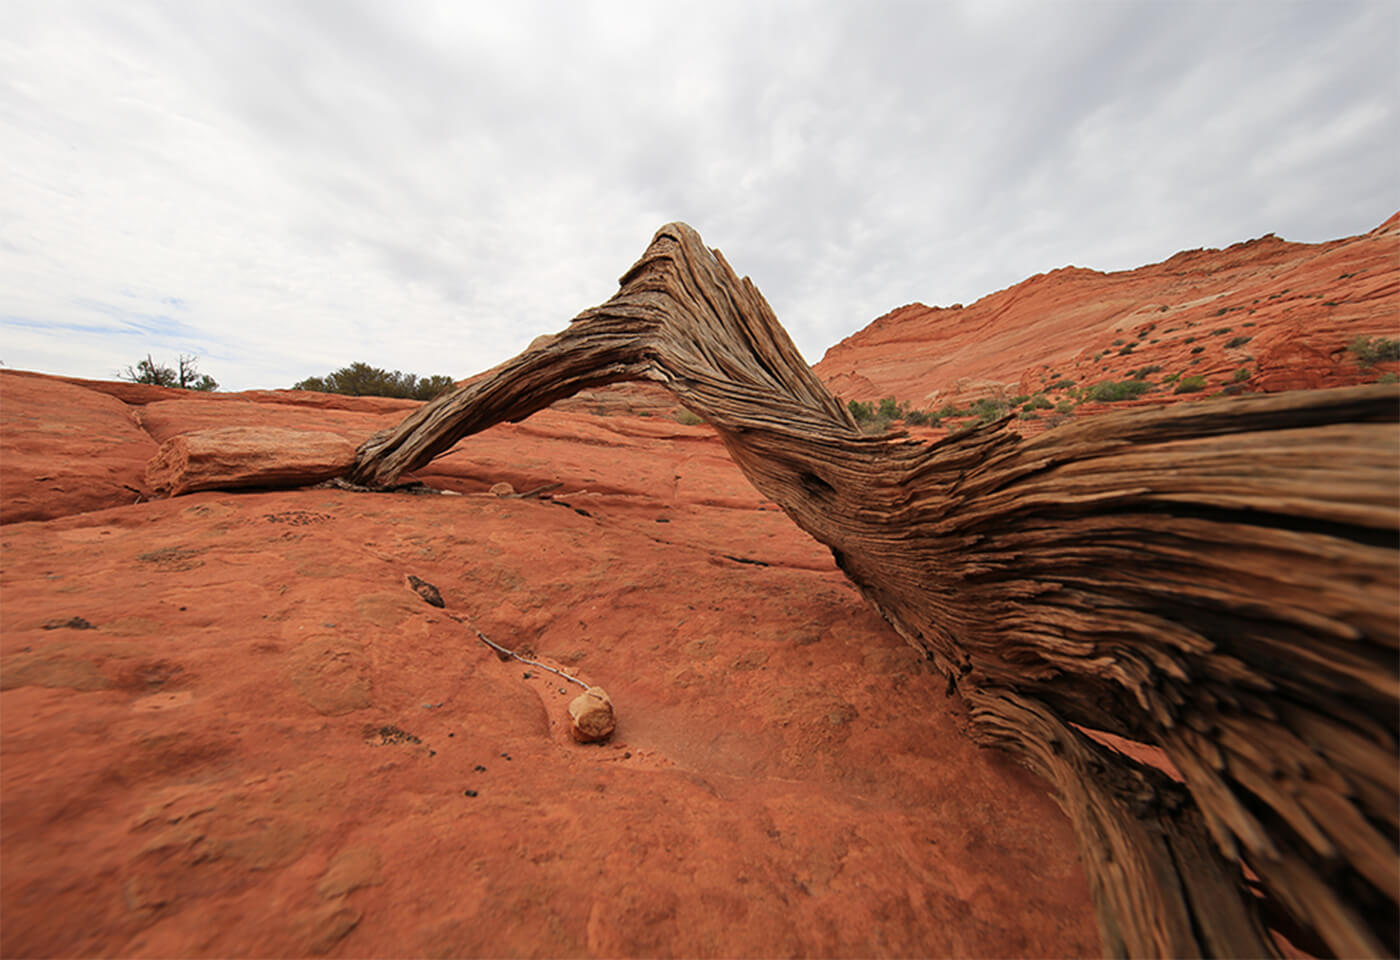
x=1296, y=306
x=231, y=725
x=228, y=727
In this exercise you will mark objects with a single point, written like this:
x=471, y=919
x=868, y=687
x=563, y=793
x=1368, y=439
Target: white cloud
x=428, y=186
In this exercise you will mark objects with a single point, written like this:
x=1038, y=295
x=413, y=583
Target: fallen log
x=225, y=457
x=1218, y=580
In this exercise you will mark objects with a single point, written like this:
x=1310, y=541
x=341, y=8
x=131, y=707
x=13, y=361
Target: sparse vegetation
x=1113, y=391
x=185, y=376
x=1126, y=349
x=988, y=409
x=1241, y=374
x=1063, y=384
x=1220, y=331
x=1038, y=402
x=1371, y=350
x=1193, y=384
x=363, y=380
x=1143, y=372
x=689, y=419
x=1236, y=342
x=1197, y=349
x=889, y=409
x=1171, y=378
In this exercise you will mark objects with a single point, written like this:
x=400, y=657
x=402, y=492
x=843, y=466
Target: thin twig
x=515, y=656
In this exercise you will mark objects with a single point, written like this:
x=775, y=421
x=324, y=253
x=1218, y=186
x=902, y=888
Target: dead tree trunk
x=1216, y=579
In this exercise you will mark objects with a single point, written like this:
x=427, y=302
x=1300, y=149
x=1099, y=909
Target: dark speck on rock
x=469, y=793
x=526, y=675
x=480, y=768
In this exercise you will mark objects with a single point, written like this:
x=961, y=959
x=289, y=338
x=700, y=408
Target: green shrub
x=889, y=409
x=1188, y=339
x=688, y=418
x=1126, y=349
x=1111, y=392
x=1038, y=402
x=1062, y=384
x=1016, y=401
x=1236, y=342
x=1141, y=374
x=1191, y=385
x=1241, y=374
x=1171, y=378
x=988, y=409
x=1028, y=415
x=1221, y=331
x=1064, y=406
x=863, y=412
x=1197, y=349
x=1369, y=350
x=1119, y=342
x=920, y=418
x=362, y=380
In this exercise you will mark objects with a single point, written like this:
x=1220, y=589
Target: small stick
x=515, y=656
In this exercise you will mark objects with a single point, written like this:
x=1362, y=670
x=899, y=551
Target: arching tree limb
x=1216, y=579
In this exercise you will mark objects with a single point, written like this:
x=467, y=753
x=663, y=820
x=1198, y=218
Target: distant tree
x=363, y=380
x=184, y=377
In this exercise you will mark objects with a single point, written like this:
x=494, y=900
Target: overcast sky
x=285, y=187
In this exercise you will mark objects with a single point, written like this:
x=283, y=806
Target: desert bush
x=1241, y=374
x=1171, y=378
x=184, y=377
x=1369, y=350
x=1197, y=349
x=1112, y=391
x=1221, y=331
x=1126, y=349
x=889, y=409
x=1063, y=384
x=363, y=380
x=688, y=418
x=1194, y=384
x=988, y=409
x=1038, y=402
x=1237, y=342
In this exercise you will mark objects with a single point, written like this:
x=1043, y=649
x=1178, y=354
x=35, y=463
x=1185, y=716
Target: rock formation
x=236, y=704
x=1284, y=313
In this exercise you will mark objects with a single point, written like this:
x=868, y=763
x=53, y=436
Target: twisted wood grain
x=1215, y=579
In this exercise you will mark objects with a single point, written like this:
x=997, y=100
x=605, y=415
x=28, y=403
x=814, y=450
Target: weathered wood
x=224, y=457
x=1217, y=579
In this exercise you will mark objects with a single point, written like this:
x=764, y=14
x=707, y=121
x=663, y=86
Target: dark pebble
x=469, y=793
x=480, y=768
